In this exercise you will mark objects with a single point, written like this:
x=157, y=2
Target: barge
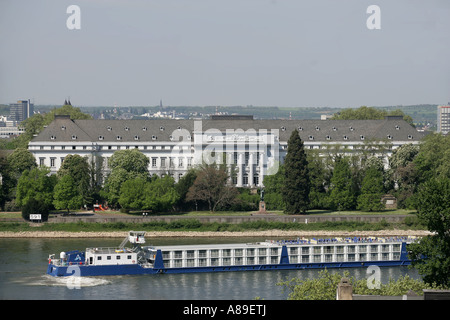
x=298, y=254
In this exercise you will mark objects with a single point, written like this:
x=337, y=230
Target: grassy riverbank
x=410, y=223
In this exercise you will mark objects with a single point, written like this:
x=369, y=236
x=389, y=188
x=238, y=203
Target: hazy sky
x=288, y=53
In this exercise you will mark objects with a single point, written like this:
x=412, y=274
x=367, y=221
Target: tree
x=372, y=190
x=324, y=286
x=296, y=177
x=273, y=185
x=403, y=174
x=33, y=206
x=431, y=256
x=319, y=176
x=433, y=159
x=66, y=194
x=369, y=113
x=342, y=196
x=160, y=194
x=20, y=160
x=133, y=193
x=182, y=188
x=212, y=186
x=36, y=184
x=125, y=165
x=78, y=168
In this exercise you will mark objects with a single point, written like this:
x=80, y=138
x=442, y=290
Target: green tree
x=296, y=177
x=33, y=206
x=325, y=285
x=403, y=175
x=342, y=197
x=182, y=188
x=78, y=168
x=66, y=194
x=369, y=113
x=133, y=193
x=20, y=160
x=372, y=190
x=433, y=159
x=431, y=256
x=36, y=184
x=125, y=165
x=160, y=194
x=273, y=185
x=319, y=176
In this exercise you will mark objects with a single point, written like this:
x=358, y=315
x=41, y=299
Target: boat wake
x=71, y=282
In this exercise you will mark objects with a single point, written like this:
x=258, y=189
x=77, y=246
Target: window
x=153, y=162
x=163, y=162
x=99, y=258
x=41, y=162
x=180, y=162
x=108, y=258
x=117, y=257
x=129, y=257
x=52, y=162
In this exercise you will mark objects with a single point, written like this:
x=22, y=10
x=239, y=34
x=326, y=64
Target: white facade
x=252, y=149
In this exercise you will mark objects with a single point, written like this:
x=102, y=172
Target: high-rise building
x=21, y=110
x=443, y=119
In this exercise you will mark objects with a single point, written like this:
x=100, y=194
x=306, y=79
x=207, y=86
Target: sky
x=286, y=53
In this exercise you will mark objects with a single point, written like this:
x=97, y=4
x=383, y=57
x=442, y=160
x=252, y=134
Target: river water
x=23, y=265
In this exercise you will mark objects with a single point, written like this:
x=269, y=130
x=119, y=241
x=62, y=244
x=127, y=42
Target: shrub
x=33, y=206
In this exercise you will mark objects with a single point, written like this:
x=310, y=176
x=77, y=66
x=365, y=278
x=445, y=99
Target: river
x=23, y=265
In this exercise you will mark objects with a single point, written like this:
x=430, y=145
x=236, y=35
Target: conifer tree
x=342, y=196
x=371, y=190
x=297, y=185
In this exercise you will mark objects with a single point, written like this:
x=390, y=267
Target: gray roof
x=62, y=129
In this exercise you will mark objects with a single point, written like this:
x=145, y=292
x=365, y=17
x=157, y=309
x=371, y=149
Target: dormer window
x=283, y=128
x=63, y=128
x=397, y=127
x=101, y=137
x=127, y=128
x=119, y=137
x=345, y=138
x=328, y=137
x=109, y=128
x=161, y=129
x=361, y=137
x=410, y=136
x=171, y=138
x=179, y=128
x=351, y=128
x=389, y=137
x=334, y=129
x=136, y=137
x=189, y=137
x=300, y=128
x=311, y=137
x=74, y=137
x=154, y=137
x=52, y=137
x=144, y=128
x=317, y=128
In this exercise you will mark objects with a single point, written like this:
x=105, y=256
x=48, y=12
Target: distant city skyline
x=285, y=53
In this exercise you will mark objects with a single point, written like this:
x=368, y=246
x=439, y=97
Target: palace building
x=251, y=148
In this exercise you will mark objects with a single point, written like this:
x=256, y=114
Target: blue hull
x=117, y=270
